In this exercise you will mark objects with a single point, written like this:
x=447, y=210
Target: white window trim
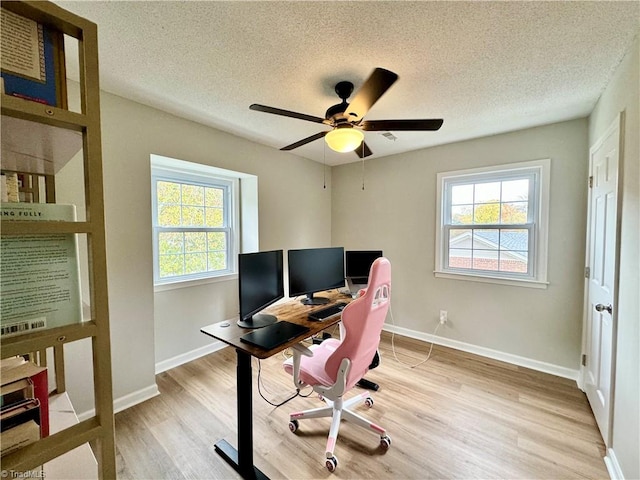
x=540, y=246
x=177, y=170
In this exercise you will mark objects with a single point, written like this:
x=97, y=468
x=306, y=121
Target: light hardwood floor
x=456, y=416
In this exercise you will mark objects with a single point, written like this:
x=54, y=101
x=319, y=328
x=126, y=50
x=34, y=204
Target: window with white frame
x=194, y=221
x=492, y=223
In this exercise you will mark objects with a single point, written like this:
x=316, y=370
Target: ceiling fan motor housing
x=344, y=89
x=336, y=111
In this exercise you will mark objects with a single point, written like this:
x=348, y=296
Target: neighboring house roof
x=515, y=242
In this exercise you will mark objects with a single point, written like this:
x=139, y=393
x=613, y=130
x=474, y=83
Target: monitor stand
x=257, y=321
x=311, y=300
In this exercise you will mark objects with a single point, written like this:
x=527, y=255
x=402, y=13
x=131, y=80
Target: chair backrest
x=362, y=321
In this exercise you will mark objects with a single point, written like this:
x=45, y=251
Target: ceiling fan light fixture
x=344, y=139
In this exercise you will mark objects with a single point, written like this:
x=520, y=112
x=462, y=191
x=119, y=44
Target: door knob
x=601, y=308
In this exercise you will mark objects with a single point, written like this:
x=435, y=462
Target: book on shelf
x=15, y=392
x=39, y=273
x=22, y=416
x=19, y=425
x=10, y=417
x=32, y=57
x=14, y=371
x=9, y=363
x=19, y=436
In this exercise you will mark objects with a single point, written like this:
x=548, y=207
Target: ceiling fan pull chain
x=362, y=165
x=324, y=166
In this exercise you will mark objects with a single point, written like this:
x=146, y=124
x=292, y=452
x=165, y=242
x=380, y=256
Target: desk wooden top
x=292, y=311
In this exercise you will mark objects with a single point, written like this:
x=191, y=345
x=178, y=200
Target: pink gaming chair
x=335, y=366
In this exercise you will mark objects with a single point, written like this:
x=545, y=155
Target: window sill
x=487, y=279
x=161, y=287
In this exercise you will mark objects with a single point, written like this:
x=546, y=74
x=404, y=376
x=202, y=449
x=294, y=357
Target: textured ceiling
x=484, y=67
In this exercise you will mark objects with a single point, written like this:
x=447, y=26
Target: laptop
x=274, y=335
x=358, y=263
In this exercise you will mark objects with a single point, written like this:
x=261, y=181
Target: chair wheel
x=293, y=426
x=368, y=402
x=385, y=442
x=332, y=464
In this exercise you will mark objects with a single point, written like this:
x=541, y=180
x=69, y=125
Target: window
x=194, y=221
x=492, y=223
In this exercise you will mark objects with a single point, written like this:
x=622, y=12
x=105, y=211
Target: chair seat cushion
x=312, y=370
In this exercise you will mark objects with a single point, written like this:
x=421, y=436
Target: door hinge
x=584, y=359
x=587, y=272
x=591, y=181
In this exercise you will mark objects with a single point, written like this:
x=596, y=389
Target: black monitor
x=358, y=262
x=260, y=283
x=314, y=270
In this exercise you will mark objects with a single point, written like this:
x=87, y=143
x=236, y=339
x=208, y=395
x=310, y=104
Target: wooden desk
x=241, y=459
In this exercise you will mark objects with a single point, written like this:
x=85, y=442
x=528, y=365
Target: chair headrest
x=380, y=274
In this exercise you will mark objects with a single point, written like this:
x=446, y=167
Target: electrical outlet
x=443, y=317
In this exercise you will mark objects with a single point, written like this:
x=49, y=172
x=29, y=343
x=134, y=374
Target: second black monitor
x=358, y=264
x=314, y=270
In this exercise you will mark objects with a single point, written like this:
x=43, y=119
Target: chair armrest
x=339, y=387
x=299, y=350
x=298, y=347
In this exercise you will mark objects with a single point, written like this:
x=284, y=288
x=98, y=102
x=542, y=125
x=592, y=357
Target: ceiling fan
x=346, y=118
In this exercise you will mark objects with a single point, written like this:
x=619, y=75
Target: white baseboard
x=126, y=401
x=487, y=352
x=183, y=358
x=613, y=467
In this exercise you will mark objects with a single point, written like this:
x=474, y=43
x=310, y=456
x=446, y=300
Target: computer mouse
x=224, y=324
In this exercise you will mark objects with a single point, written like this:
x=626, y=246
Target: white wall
x=622, y=94
x=146, y=328
x=397, y=213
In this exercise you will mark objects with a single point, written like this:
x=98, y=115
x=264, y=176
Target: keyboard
x=327, y=312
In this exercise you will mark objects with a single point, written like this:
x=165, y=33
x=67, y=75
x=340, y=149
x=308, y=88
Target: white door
x=601, y=286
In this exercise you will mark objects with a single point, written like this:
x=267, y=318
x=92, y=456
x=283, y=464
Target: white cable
x=393, y=347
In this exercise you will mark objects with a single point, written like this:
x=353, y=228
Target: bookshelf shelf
x=14, y=107
x=35, y=341
x=40, y=139
x=85, y=465
x=29, y=146
x=51, y=447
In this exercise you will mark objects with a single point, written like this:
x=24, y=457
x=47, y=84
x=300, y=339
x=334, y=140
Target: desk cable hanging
x=261, y=387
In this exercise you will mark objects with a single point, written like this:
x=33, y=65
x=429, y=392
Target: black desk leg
x=242, y=458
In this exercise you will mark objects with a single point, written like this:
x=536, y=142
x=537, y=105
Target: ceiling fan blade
x=399, y=125
x=363, y=150
x=370, y=92
x=304, y=141
x=286, y=113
